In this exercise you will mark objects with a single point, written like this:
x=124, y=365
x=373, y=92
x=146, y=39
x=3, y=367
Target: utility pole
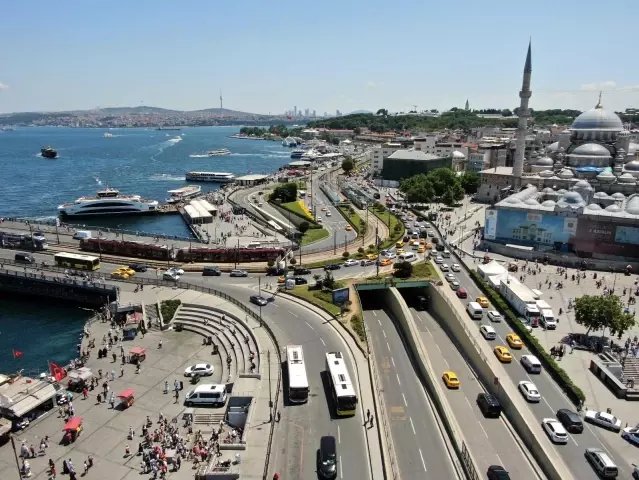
x=270, y=395
x=335, y=243
x=237, y=256
x=15, y=454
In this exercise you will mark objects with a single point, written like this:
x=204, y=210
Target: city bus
x=297, y=380
x=77, y=261
x=341, y=387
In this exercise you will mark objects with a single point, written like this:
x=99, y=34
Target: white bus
x=297, y=380
x=343, y=392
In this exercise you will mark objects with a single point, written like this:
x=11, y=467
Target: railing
x=64, y=281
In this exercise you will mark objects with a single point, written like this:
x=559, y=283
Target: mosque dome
x=458, y=155
x=606, y=176
x=565, y=173
x=598, y=119
x=626, y=178
x=632, y=206
x=590, y=150
x=632, y=148
x=618, y=196
x=548, y=190
x=544, y=162
x=632, y=166
x=613, y=208
x=531, y=201
x=572, y=198
x=546, y=173
x=513, y=199
x=548, y=203
x=553, y=147
x=593, y=206
x=582, y=184
x=601, y=195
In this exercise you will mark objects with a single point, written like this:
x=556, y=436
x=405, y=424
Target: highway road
x=417, y=437
x=553, y=398
x=490, y=440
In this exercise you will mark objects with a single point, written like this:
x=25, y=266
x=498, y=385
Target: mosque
x=580, y=194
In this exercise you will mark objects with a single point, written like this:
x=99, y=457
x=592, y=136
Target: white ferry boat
x=183, y=193
x=219, y=152
x=297, y=153
x=108, y=202
x=217, y=177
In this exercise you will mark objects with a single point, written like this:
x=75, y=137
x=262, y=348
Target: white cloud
x=3, y=86
x=593, y=87
x=371, y=84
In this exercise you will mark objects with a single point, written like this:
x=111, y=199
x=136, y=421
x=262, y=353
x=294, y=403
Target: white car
x=170, y=276
x=450, y=277
x=555, y=430
x=351, y=263
x=202, y=369
x=176, y=270
x=529, y=391
x=439, y=260
x=455, y=285
x=488, y=332
x=455, y=267
x=603, y=419
x=390, y=255
x=444, y=267
x=494, y=316
x=328, y=214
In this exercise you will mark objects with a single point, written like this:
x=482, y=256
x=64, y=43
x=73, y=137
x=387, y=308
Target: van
x=254, y=245
x=22, y=257
x=489, y=405
x=407, y=257
x=207, y=394
x=446, y=254
x=475, y=311
x=327, y=467
x=601, y=463
x=82, y=235
x=213, y=271
x=530, y=363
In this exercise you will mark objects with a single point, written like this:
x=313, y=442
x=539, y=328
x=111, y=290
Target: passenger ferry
x=183, y=193
x=217, y=177
x=219, y=152
x=297, y=153
x=108, y=202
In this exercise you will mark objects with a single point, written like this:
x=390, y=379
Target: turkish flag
x=57, y=372
x=17, y=354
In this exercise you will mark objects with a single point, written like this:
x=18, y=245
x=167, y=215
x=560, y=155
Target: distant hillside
x=141, y=110
x=223, y=111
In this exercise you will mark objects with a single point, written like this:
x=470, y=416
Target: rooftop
x=257, y=176
x=413, y=155
x=498, y=171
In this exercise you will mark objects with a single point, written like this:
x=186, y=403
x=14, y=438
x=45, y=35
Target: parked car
x=170, y=276
x=238, y=273
x=603, y=419
x=258, y=300
x=631, y=434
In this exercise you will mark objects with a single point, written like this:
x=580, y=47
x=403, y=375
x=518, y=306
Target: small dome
x=582, y=184
x=548, y=190
x=593, y=206
x=632, y=206
x=590, y=150
x=606, y=176
x=553, y=147
x=546, y=173
x=618, y=196
x=561, y=191
x=613, y=208
x=513, y=199
x=458, y=155
x=544, y=162
x=626, y=178
x=548, y=203
x=632, y=166
x=601, y=195
x=531, y=201
x=565, y=173
x=598, y=119
x=572, y=198
x=632, y=148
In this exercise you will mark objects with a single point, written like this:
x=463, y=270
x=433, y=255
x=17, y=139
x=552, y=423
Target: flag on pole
x=57, y=372
x=17, y=354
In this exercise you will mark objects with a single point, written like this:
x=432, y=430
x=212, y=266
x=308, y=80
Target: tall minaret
x=221, y=104
x=467, y=106
x=522, y=126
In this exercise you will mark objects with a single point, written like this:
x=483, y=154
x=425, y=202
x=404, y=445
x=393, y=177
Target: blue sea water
x=147, y=162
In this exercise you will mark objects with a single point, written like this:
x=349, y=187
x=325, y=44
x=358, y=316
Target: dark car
x=258, y=300
x=461, y=293
x=328, y=457
x=22, y=257
x=275, y=272
x=302, y=271
x=497, y=472
x=138, y=267
x=212, y=271
x=434, y=240
x=300, y=281
x=489, y=406
x=570, y=420
x=332, y=266
x=422, y=303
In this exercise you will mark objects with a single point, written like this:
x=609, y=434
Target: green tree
x=598, y=312
x=303, y=228
x=402, y=269
x=357, y=131
x=470, y=182
x=442, y=179
x=383, y=112
x=335, y=141
x=418, y=189
x=448, y=198
x=287, y=192
x=348, y=165
x=506, y=113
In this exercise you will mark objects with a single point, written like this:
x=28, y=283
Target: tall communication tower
x=221, y=101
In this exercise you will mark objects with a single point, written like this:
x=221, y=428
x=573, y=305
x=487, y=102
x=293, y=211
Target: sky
x=268, y=57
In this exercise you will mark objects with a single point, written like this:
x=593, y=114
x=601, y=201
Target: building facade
x=406, y=163
x=380, y=153
x=478, y=161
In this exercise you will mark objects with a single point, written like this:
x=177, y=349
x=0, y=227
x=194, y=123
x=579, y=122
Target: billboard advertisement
x=340, y=295
x=534, y=229
x=606, y=238
x=490, y=229
x=629, y=235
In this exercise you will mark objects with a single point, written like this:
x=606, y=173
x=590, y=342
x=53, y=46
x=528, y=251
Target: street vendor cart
x=78, y=379
x=137, y=355
x=132, y=325
x=127, y=398
x=72, y=429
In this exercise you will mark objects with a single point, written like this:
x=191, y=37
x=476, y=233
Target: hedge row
x=573, y=392
x=168, y=308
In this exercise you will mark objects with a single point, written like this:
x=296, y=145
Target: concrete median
x=493, y=376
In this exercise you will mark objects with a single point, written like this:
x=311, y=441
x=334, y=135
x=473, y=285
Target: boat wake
x=198, y=156
x=165, y=177
x=97, y=180
x=174, y=140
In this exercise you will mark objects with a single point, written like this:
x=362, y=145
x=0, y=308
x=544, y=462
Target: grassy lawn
x=353, y=218
x=424, y=270
x=295, y=207
x=314, y=235
x=319, y=298
x=394, y=221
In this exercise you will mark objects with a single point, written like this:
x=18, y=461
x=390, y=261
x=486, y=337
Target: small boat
x=48, y=152
x=219, y=152
x=297, y=153
x=107, y=134
x=169, y=128
x=180, y=194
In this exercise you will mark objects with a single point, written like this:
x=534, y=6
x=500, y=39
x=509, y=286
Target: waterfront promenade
x=106, y=429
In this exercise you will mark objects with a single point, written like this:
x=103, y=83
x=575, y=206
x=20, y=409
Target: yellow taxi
x=348, y=228
x=399, y=251
x=503, y=354
x=421, y=249
x=514, y=341
x=129, y=271
x=399, y=245
x=483, y=301
x=429, y=246
x=451, y=380
x=422, y=241
x=120, y=274
x=371, y=256
x=281, y=279
x=411, y=242
x=385, y=262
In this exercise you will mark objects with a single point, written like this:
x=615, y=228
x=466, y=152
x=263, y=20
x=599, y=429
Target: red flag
x=289, y=117
x=57, y=372
x=17, y=354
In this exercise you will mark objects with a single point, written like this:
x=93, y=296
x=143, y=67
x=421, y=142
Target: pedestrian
x=85, y=393
x=86, y=467
x=177, y=396
x=368, y=415
x=121, y=372
x=112, y=375
x=43, y=446
x=372, y=418
x=166, y=386
x=127, y=450
x=114, y=357
x=112, y=400
x=99, y=398
x=32, y=450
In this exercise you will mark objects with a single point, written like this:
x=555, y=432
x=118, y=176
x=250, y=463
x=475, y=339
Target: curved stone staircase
x=232, y=335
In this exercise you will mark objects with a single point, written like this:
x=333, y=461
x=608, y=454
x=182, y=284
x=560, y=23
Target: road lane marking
x=500, y=462
x=341, y=473
x=482, y=427
x=405, y=402
x=393, y=361
x=546, y=402
x=412, y=426
x=440, y=350
x=339, y=435
x=374, y=313
x=323, y=342
x=397, y=375
x=423, y=462
x=573, y=439
x=380, y=323
x=295, y=315
x=310, y=326
x=388, y=346
x=468, y=402
x=384, y=333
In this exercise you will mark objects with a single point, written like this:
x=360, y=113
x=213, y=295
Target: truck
x=522, y=299
x=547, y=317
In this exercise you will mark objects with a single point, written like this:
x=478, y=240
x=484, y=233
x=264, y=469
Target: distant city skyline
x=149, y=53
